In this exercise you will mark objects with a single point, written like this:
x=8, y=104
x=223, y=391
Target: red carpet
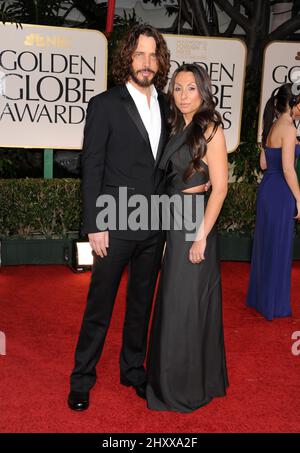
x=41, y=310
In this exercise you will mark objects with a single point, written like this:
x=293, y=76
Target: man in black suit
x=124, y=137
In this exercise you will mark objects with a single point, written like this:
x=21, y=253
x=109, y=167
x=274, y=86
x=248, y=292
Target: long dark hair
x=123, y=56
x=281, y=99
x=204, y=117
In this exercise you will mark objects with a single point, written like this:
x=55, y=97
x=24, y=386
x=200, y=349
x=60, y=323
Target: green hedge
x=52, y=208
x=238, y=212
x=30, y=207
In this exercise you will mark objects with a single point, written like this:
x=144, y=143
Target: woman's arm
x=262, y=159
x=216, y=157
x=288, y=160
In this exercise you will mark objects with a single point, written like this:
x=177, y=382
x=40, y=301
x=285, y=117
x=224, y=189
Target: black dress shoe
x=140, y=389
x=78, y=401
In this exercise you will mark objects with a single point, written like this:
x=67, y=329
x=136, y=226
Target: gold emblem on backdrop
x=38, y=40
x=189, y=49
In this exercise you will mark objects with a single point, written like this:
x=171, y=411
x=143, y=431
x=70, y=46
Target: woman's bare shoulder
x=213, y=131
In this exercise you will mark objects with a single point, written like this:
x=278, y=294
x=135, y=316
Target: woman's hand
x=196, y=254
x=297, y=217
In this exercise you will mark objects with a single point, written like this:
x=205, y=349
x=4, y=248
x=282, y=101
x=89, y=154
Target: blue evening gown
x=271, y=265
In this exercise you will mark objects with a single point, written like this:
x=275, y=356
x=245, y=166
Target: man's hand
x=99, y=242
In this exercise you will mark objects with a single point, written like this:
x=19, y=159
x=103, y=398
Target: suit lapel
x=163, y=131
x=134, y=115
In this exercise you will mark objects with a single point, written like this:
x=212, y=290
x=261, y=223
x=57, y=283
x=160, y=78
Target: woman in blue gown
x=277, y=207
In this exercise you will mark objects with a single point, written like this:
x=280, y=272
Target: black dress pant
x=144, y=259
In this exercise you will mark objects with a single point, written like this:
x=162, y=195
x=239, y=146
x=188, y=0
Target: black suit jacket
x=117, y=152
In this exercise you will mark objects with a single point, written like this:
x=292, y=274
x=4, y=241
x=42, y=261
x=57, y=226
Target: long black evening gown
x=186, y=360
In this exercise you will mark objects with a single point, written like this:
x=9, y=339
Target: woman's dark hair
x=123, y=56
x=281, y=100
x=202, y=119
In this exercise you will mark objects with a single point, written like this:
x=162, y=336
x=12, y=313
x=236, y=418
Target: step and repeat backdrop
x=281, y=65
x=48, y=75
x=225, y=61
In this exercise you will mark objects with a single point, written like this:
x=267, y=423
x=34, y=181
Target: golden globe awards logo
x=55, y=82
x=222, y=74
x=47, y=77
x=224, y=60
x=284, y=73
x=281, y=65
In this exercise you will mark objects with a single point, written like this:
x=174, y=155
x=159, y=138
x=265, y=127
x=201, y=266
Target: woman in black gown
x=186, y=361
